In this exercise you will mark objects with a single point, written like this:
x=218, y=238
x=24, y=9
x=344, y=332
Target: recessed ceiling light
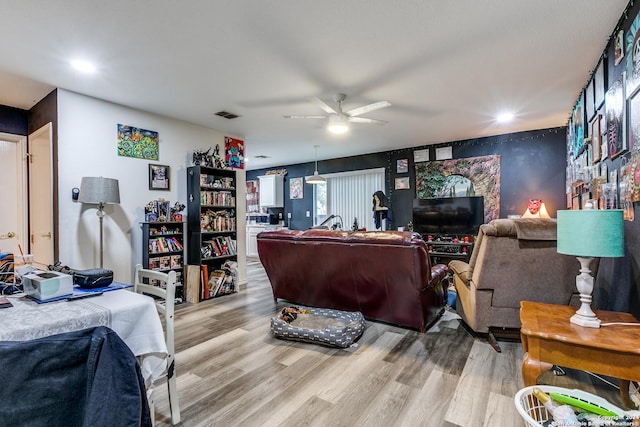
x=504, y=117
x=84, y=66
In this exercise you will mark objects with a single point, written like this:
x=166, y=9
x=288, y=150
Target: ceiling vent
x=227, y=115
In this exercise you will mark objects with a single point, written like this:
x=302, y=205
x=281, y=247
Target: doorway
x=40, y=183
x=13, y=175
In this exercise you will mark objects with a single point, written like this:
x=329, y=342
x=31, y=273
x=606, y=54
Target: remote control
x=87, y=295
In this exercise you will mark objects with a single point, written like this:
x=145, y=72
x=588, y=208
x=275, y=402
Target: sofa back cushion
x=372, y=272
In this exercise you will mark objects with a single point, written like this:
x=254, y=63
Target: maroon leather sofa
x=385, y=275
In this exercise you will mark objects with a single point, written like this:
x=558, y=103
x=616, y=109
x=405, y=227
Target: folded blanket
x=535, y=228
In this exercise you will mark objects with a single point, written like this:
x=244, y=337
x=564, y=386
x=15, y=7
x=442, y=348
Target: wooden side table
x=548, y=338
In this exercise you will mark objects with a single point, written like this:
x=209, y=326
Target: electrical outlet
x=288, y=215
x=308, y=214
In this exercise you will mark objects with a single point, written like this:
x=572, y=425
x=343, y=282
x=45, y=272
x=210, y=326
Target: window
x=349, y=196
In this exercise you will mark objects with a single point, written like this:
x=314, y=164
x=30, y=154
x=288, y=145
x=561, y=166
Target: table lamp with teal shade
x=588, y=234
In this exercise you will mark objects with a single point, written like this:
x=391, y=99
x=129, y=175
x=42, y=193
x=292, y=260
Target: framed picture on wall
x=596, y=139
x=619, y=47
x=589, y=103
x=599, y=84
x=402, y=183
x=615, y=109
x=296, y=189
x=159, y=177
x=577, y=118
x=633, y=117
x=402, y=166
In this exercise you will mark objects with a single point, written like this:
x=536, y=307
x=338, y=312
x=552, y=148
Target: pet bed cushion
x=333, y=328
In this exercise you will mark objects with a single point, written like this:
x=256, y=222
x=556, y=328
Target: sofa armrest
x=461, y=270
x=438, y=272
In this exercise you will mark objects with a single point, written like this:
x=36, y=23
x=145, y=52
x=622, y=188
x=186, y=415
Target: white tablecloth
x=132, y=316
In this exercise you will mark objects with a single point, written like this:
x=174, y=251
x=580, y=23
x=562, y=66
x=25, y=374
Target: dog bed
x=333, y=328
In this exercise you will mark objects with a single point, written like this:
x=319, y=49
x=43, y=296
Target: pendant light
x=316, y=178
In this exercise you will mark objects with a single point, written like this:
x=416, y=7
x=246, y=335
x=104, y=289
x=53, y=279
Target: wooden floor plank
x=233, y=372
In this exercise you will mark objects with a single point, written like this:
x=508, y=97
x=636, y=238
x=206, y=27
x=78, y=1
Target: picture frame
x=296, y=188
x=421, y=156
x=615, y=117
x=596, y=139
x=632, y=80
x=599, y=84
x=633, y=120
x=619, y=47
x=402, y=183
x=577, y=119
x=159, y=177
x=589, y=103
x=402, y=166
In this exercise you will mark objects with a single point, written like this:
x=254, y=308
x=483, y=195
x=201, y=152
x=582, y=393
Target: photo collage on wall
x=603, y=131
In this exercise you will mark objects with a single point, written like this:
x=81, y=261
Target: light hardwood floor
x=232, y=372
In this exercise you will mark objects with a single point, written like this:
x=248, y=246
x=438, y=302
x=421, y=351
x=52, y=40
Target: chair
x=512, y=260
x=81, y=378
x=143, y=284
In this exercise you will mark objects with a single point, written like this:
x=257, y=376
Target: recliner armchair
x=512, y=260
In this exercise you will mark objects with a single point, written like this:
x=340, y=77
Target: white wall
x=87, y=146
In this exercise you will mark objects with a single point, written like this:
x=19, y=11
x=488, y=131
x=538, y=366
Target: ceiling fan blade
x=320, y=103
x=366, y=108
x=305, y=117
x=365, y=120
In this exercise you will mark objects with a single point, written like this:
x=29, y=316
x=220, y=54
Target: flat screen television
x=450, y=215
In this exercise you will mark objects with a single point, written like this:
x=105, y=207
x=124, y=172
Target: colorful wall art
x=476, y=176
x=137, y=143
x=234, y=152
x=296, y=188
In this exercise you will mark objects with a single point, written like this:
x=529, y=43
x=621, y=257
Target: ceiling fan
x=339, y=120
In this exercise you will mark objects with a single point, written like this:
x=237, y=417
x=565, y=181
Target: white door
x=41, y=195
x=13, y=215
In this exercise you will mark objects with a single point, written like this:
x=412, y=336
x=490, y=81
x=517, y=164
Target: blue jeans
x=82, y=378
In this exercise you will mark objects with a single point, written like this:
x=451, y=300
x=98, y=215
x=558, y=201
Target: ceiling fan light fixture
x=338, y=124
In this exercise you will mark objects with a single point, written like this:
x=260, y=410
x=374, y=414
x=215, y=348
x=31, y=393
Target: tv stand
x=446, y=247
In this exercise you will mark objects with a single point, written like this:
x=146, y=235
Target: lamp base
x=588, y=322
x=584, y=282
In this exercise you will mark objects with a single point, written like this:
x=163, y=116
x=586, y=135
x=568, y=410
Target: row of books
x=219, y=246
x=210, y=223
x=220, y=281
x=163, y=285
x=166, y=262
x=217, y=198
x=164, y=244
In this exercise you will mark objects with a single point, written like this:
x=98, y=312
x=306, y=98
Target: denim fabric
x=84, y=378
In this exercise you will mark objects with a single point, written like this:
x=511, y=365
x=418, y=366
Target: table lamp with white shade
x=99, y=191
x=587, y=234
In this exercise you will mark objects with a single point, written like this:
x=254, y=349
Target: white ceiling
x=447, y=67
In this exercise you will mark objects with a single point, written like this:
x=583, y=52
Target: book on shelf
x=204, y=271
x=165, y=262
x=154, y=264
x=175, y=244
x=176, y=261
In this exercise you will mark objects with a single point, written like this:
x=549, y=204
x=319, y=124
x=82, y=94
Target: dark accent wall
x=532, y=166
x=617, y=285
x=13, y=120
